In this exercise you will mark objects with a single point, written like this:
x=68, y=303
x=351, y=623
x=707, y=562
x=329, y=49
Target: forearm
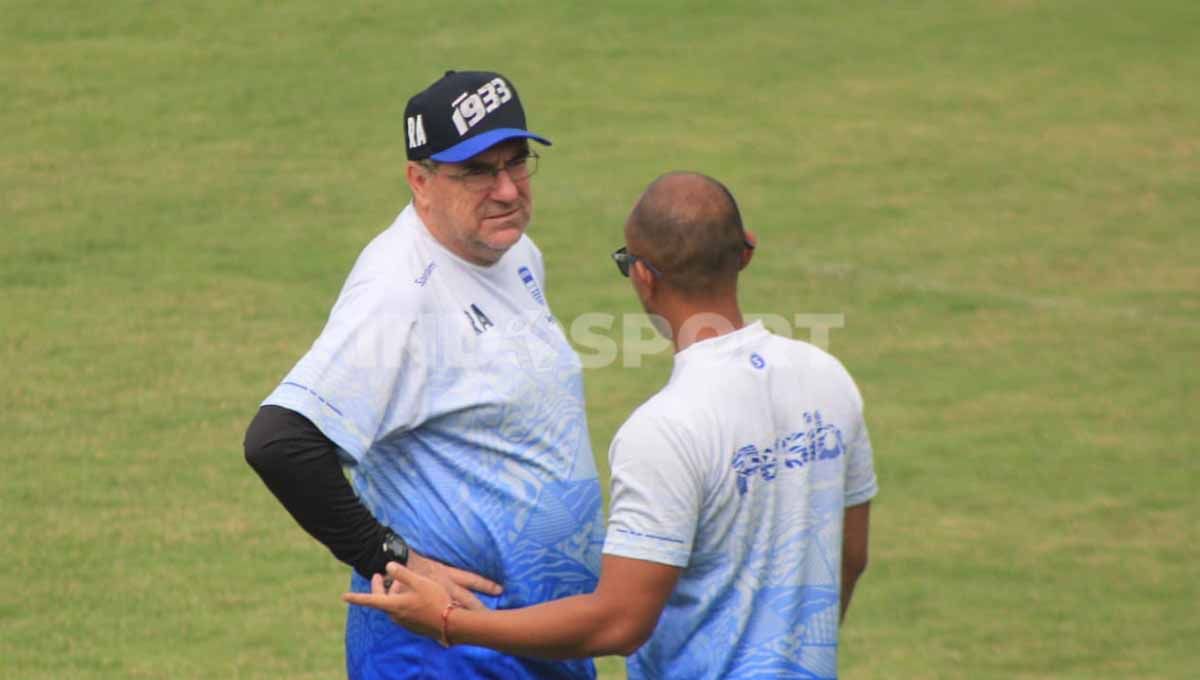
x=574, y=627
x=854, y=550
x=615, y=619
x=302, y=469
x=849, y=579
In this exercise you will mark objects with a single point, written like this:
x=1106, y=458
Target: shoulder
x=818, y=366
x=526, y=250
x=805, y=355
x=527, y=245
x=663, y=422
x=389, y=277
x=525, y=253
x=396, y=253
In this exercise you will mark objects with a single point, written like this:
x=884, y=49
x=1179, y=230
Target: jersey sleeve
x=656, y=493
x=861, y=485
x=363, y=377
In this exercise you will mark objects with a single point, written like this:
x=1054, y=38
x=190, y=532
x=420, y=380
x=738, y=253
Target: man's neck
x=694, y=320
x=449, y=245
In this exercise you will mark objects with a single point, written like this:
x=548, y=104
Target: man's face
x=475, y=215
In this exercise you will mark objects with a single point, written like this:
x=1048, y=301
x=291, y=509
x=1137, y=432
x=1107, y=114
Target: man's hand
x=457, y=582
x=617, y=618
x=412, y=600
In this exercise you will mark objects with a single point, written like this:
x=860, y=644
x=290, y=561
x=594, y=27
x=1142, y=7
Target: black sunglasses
x=625, y=260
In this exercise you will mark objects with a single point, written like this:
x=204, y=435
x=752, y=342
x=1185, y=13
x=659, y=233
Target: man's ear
x=748, y=253
x=418, y=179
x=643, y=279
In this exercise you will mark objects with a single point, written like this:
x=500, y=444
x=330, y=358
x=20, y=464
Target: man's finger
x=474, y=581
x=464, y=597
x=377, y=587
x=403, y=574
x=364, y=599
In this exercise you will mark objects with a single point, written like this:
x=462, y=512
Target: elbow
x=254, y=452
x=622, y=637
x=631, y=645
x=256, y=443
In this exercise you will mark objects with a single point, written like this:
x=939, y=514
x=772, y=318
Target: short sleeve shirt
x=457, y=402
x=739, y=471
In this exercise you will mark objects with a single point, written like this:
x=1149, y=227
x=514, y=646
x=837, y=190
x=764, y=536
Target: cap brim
x=482, y=142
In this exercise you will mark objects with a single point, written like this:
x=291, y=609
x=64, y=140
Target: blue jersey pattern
x=466, y=433
x=507, y=490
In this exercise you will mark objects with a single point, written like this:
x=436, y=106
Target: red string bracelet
x=450, y=606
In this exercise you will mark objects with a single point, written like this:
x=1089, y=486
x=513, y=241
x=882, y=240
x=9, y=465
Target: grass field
x=1002, y=198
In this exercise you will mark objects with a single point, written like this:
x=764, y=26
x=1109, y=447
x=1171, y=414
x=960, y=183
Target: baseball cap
x=462, y=114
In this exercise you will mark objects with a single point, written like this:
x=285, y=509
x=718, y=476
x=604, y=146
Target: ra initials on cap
x=416, y=132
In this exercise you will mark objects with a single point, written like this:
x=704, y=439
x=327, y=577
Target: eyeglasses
x=481, y=177
x=625, y=260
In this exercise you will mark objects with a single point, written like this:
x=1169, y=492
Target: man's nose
x=505, y=188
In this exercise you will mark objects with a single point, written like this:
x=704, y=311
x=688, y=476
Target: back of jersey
x=751, y=453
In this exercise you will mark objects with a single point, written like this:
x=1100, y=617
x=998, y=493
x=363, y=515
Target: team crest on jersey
x=531, y=285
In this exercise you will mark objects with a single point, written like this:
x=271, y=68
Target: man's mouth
x=503, y=215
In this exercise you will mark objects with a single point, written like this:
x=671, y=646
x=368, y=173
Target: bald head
x=688, y=226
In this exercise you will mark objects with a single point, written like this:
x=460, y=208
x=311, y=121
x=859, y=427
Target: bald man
x=740, y=491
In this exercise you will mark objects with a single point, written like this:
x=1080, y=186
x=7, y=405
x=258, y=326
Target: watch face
x=396, y=547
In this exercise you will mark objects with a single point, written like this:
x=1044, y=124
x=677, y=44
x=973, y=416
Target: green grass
x=1001, y=197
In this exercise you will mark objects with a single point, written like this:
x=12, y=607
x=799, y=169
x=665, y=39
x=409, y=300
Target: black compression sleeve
x=300, y=465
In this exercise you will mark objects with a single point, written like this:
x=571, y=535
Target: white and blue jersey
x=739, y=471
x=457, y=403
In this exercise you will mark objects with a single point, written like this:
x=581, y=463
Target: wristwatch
x=395, y=548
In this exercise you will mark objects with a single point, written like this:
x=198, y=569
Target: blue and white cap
x=463, y=114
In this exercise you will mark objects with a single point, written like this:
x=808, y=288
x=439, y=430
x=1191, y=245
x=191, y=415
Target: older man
x=740, y=491
x=446, y=385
